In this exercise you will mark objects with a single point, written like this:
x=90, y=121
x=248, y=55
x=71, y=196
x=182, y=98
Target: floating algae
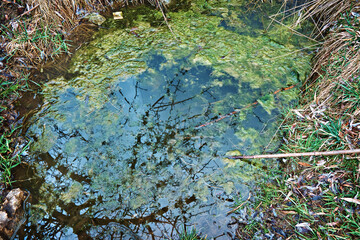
x=117, y=151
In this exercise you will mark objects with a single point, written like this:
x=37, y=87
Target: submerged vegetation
x=311, y=198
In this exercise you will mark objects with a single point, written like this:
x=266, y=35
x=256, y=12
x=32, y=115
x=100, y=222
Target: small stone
x=95, y=18
x=11, y=211
x=166, y=2
x=274, y=212
x=13, y=201
x=3, y=217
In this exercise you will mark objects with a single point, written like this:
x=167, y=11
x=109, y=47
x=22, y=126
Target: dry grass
x=42, y=31
x=65, y=14
x=338, y=57
x=323, y=191
x=324, y=13
x=337, y=61
x=335, y=23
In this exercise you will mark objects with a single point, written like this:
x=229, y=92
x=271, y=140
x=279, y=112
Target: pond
x=130, y=142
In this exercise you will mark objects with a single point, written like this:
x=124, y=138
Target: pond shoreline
x=296, y=170
x=317, y=197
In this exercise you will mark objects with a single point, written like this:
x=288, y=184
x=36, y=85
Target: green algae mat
x=120, y=147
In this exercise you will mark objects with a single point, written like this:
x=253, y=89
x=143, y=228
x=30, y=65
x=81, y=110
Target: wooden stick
x=305, y=154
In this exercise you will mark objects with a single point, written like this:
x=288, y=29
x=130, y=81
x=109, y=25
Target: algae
x=121, y=138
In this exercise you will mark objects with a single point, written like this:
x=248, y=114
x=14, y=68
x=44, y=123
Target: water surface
x=117, y=151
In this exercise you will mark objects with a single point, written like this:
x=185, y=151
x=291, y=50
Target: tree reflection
x=148, y=153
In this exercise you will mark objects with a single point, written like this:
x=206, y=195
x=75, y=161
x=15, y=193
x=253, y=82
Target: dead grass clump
x=324, y=13
x=42, y=31
x=336, y=24
x=338, y=58
x=65, y=14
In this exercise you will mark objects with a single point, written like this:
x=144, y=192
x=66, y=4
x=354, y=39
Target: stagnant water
x=121, y=149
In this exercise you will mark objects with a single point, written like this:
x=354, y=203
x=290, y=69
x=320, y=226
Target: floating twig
x=304, y=154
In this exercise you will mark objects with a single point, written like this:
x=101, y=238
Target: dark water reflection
x=118, y=155
x=136, y=167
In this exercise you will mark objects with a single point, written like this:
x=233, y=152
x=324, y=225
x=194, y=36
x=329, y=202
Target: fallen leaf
x=319, y=214
x=352, y=200
x=304, y=164
x=298, y=113
x=288, y=212
x=332, y=166
x=288, y=195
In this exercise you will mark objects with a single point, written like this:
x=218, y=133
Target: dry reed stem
x=242, y=204
x=326, y=12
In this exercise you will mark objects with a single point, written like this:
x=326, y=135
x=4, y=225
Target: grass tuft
x=192, y=235
x=9, y=157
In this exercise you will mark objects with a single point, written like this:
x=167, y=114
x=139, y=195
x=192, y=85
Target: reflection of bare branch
x=150, y=232
x=175, y=103
x=157, y=101
x=64, y=170
x=149, y=144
